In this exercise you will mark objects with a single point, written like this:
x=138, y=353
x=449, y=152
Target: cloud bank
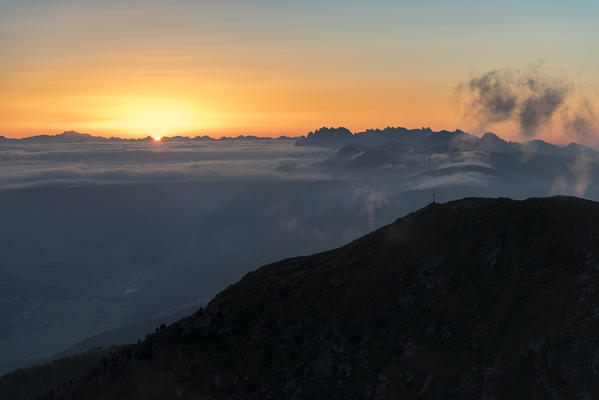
x=30, y=164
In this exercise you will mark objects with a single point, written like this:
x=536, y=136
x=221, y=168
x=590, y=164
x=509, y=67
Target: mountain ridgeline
x=425, y=139
x=337, y=137
x=476, y=298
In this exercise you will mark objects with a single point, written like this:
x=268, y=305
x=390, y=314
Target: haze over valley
x=107, y=234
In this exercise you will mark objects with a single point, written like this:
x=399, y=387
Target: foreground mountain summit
x=477, y=298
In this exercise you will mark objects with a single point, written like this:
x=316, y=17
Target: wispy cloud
x=531, y=98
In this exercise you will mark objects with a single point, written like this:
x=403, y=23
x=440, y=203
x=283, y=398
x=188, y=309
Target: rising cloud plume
x=581, y=121
x=531, y=98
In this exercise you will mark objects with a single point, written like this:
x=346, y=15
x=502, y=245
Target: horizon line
x=190, y=135
x=184, y=136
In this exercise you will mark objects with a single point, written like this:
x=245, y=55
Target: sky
x=134, y=68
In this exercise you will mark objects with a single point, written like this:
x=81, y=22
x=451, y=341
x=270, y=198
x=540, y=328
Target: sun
x=154, y=117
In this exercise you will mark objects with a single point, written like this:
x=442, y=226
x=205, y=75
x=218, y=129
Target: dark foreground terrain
x=477, y=298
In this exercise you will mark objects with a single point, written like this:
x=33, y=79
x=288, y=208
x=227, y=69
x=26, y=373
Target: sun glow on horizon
x=155, y=117
x=136, y=69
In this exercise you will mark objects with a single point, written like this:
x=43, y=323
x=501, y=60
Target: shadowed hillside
x=477, y=298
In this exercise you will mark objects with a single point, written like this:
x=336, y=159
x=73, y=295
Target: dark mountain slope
x=477, y=298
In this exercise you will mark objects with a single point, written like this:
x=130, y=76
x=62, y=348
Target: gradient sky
x=265, y=67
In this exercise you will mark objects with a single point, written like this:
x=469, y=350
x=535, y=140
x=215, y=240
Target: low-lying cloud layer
x=95, y=163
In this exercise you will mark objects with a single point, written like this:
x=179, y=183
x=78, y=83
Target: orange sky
x=133, y=68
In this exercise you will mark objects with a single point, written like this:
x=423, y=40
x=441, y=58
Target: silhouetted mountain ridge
x=76, y=137
x=422, y=139
x=425, y=139
x=476, y=298
x=336, y=137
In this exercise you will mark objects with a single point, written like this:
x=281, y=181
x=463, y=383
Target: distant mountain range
x=475, y=298
x=76, y=137
x=427, y=139
x=424, y=138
